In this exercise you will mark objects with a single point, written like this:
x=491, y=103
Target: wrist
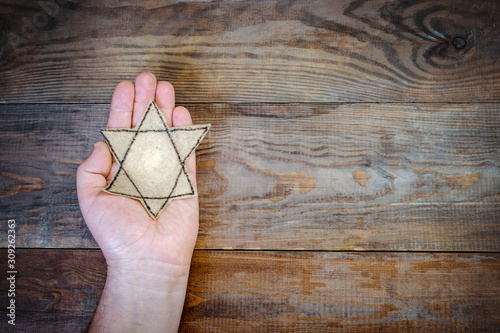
x=149, y=275
x=143, y=296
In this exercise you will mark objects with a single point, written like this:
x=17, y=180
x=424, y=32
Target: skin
x=147, y=261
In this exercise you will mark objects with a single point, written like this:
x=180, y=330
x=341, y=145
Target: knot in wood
x=459, y=43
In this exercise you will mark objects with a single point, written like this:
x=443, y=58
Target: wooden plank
x=56, y=290
x=251, y=291
x=311, y=292
x=254, y=51
x=320, y=176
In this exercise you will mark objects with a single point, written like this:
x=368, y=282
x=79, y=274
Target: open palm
x=121, y=226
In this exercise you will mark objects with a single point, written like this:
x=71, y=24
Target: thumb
x=91, y=174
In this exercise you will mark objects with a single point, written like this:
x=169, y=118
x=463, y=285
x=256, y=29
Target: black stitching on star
x=183, y=170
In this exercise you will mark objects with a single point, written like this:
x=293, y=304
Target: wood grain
x=345, y=135
x=56, y=290
x=254, y=51
x=251, y=291
x=306, y=176
x=339, y=292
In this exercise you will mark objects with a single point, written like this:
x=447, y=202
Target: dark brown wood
x=280, y=291
x=350, y=125
x=339, y=292
x=254, y=51
x=56, y=290
x=319, y=176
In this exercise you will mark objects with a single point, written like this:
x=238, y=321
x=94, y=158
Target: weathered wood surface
x=415, y=168
x=253, y=51
x=344, y=292
x=56, y=290
x=315, y=177
x=231, y=291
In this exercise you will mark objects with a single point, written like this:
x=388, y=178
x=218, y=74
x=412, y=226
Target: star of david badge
x=152, y=158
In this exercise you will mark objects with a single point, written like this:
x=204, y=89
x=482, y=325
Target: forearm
x=142, y=299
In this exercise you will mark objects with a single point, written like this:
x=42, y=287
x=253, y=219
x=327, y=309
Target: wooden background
x=350, y=182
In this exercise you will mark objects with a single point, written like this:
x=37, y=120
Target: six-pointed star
x=152, y=159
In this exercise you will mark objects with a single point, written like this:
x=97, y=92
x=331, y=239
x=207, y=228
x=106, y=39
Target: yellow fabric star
x=152, y=159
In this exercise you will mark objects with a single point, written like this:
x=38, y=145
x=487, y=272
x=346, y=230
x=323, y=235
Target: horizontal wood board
x=338, y=127
x=296, y=176
x=293, y=291
x=253, y=51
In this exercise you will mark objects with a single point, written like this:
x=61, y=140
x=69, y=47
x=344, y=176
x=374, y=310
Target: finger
x=165, y=99
x=91, y=174
x=122, y=103
x=145, y=88
x=181, y=117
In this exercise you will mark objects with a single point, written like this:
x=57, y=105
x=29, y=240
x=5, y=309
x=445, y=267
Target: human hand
x=138, y=249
